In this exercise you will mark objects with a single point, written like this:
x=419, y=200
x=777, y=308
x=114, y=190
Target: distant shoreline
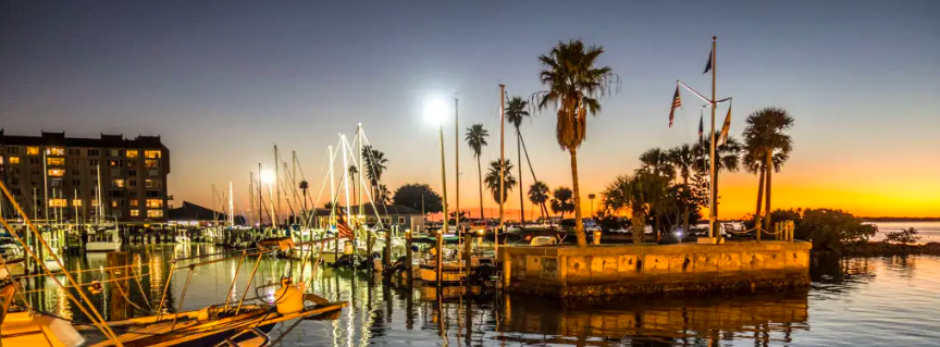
x=900, y=219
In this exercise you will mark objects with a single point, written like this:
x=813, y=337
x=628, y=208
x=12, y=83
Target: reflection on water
x=861, y=301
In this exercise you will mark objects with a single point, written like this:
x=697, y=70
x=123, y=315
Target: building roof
x=369, y=210
x=190, y=212
x=59, y=139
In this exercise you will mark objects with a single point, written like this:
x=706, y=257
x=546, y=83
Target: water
x=928, y=231
x=875, y=301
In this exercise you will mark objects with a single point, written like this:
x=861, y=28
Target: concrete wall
x=622, y=269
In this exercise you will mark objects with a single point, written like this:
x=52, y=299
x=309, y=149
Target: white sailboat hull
x=103, y=246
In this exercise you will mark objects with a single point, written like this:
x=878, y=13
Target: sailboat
x=102, y=236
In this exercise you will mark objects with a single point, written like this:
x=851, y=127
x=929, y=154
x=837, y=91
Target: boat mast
x=276, y=188
x=359, y=181
x=457, y=171
x=502, y=160
x=231, y=205
x=100, y=202
x=346, y=177
x=260, y=199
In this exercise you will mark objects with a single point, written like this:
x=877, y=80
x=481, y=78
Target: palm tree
x=353, y=171
x=303, y=188
x=575, y=85
x=766, y=139
x=657, y=161
x=538, y=194
x=562, y=201
x=492, y=180
x=476, y=138
x=728, y=155
x=682, y=159
x=515, y=113
x=638, y=194
x=375, y=166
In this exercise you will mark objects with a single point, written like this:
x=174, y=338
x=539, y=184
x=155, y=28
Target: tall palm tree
x=765, y=135
x=728, y=155
x=563, y=201
x=682, y=159
x=538, y=195
x=492, y=180
x=575, y=85
x=375, y=166
x=516, y=111
x=476, y=138
x=303, y=188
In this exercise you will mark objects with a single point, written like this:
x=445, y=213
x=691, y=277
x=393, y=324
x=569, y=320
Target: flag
x=342, y=227
x=701, y=127
x=708, y=66
x=676, y=102
x=723, y=138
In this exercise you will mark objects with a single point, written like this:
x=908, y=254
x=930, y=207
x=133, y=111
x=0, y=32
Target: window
x=132, y=183
x=152, y=154
x=153, y=193
x=57, y=203
x=94, y=203
x=77, y=202
x=152, y=183
x=118, y=213
x=93, y=152
x=1, y=160
x=34, y=160
x=131, y=163
x=132, y=173
x=132, y=194
x=116, y=193
x=13, y=150
x=135, y=213
x=114, y=203
x=76, y=183
x=55, y=151
x=14, y=160
x=94, y=172
x=154, y=213
x=154, y=203
x=17, y=191
x=115, y=153
x=32, y=150
x=135, y=203
x=92, y=162
x=52, y=161
x=131, y=153
x=55, y=182
x=115, y=163
x=56, y=172
x=74, y=152
x=401, y=220
x=151, y=163
x=76, y=173
x=117, y=183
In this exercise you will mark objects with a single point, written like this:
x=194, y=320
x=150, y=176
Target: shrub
x=905, y=236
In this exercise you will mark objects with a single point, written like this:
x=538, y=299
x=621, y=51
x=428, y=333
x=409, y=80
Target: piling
x=408, y=256
x=387, y=252
x=118, y=288
x=467, y=257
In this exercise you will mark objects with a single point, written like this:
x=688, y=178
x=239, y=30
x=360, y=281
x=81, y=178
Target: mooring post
x=408, y=255
x=118, y=307
x=467, y=257
x=440, y=255
x=387, y=253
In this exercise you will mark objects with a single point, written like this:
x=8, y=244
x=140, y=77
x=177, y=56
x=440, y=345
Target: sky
x=222, y=82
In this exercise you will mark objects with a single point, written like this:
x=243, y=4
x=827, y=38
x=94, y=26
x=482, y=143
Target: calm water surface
x=852, y=302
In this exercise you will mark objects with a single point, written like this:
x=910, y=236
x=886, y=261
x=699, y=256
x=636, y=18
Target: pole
x=277, y=189
x=408, y=255
x=260, y=200
x=502, y=161
x=456, y=167
x=333, y=203
x=712, y=216
x=231, y=205
x=440, y=234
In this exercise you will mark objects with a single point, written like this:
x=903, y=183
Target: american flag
x=676, y=103
x=342, y=227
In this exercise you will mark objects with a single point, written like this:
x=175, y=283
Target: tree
x=303, y=188
x=575, y=85
x=682, y=159
x=516, y=111
x=476, y=138
x=353, y=171
x=905, y=236
x=375, y=166
x=538, y=194
x=328, y=205
x=766, y=139
x=639, y=194
x=410, y=195
x=492, y=180
x=562, y=201
x=656, y=161
x=728, y=155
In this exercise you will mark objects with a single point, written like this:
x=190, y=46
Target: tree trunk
x=578, y=223
x=760, y=192
x=480, y=174
x=715, y=194
x=638, y=222
x=685, y=209
x=768, y=168
x=521, y=198
x=656, y=226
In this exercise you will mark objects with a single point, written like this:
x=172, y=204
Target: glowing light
x=267, y=176
x=435, y=110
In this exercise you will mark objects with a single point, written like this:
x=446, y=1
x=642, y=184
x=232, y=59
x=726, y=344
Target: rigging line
x=371, y=201
x=371, y=162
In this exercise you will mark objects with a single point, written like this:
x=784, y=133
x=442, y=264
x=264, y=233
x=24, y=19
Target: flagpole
x=712, y=216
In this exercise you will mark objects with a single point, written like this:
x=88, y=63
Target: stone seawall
x=649, y=269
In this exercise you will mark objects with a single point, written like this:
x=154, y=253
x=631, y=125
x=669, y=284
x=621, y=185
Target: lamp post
x=591, y=197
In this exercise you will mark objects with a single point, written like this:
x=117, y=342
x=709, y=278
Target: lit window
x=135, y=203
x=94, y=203
x=152, y=183
x=55, y=151
x=14, y=160
x=117, y=183
x=152, y=154
x=32, y=150
x=55, y=161
x=57, y=203
x=131, y=153
x=56, y=172
x=1, y=160
x=135, y=213
x=77, y=202
x=151, y=163
x=115, y=163
x=114, y=204
x=154, y=203
x=154, y=213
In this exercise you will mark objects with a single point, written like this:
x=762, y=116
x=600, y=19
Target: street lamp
x=435, y=111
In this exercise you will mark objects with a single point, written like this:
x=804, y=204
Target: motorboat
x=103, y=238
